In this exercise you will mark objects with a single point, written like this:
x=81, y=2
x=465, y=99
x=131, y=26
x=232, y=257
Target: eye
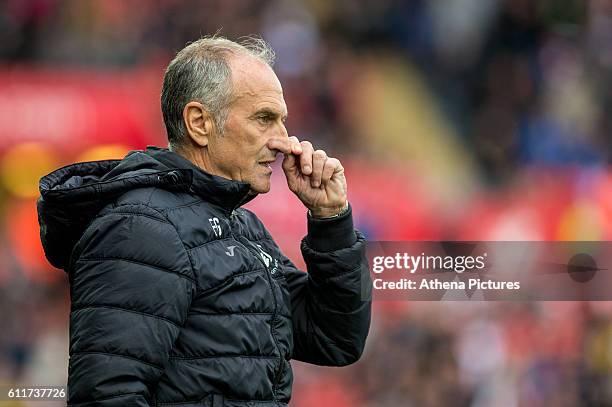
x=264, y=119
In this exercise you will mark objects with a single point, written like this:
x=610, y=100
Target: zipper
x=256, y=251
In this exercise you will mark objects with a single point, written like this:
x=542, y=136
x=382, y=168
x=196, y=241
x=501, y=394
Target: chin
x=261, y=188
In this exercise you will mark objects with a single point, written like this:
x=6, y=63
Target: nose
x=283, y=130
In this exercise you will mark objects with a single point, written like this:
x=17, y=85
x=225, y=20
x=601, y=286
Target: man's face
x=257, y=113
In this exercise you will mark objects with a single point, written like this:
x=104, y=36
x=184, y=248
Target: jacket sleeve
x=131, y=286
x=331, y=304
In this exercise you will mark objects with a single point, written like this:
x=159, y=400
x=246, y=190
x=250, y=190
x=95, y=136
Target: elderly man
x=180, y=296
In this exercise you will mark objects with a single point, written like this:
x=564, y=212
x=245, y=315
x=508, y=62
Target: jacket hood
x=72, y=196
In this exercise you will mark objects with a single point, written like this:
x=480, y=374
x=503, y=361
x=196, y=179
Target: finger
x=318, y=162
x=296, y=147
x=306, y=157
x=330, y=167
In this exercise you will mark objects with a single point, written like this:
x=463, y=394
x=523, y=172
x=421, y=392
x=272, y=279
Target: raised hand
x=316, y=179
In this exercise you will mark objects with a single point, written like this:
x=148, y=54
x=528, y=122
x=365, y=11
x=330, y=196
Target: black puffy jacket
x=181, y=297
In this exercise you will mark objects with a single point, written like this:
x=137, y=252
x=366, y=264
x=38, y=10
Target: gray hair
x=200, y=72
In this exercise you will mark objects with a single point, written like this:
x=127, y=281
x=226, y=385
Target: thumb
x=289, y=164
x=291, y=170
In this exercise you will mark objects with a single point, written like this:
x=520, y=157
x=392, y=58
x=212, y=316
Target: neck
x=196, y=157
x=199, y=159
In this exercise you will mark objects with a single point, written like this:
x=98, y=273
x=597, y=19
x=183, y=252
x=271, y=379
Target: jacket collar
x=223, y=192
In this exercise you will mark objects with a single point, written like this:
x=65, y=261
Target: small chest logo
x=216, y=227
x=230, y=251
x=267, y=259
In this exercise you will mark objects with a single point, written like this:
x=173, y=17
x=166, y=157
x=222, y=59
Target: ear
x=198, y=122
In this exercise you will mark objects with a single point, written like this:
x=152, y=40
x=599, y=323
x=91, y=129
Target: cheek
x=258, y=148
x=248, y=142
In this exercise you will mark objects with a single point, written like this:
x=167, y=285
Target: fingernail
x=307, y=168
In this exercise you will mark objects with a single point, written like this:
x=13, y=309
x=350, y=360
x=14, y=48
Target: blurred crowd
x=468, y=119
x=476, y=354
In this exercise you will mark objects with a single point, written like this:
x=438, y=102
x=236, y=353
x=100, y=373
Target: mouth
x=267, y=164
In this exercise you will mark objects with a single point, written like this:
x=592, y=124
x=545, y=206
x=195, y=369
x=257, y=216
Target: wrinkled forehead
x=253, y=79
